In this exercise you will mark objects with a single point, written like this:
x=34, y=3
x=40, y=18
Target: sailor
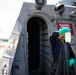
x=63, y=56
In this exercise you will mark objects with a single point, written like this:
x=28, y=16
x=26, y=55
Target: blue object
x=64, y=30
x=71, y=62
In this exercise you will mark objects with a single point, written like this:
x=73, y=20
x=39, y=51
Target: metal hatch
x=34, y=47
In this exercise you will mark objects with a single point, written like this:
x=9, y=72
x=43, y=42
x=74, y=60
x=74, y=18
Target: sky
x=9, y=12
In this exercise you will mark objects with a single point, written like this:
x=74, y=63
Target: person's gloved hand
x=64, y=30
x=71, y=62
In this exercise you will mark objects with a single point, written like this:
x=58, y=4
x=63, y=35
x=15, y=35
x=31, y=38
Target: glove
x=64, y=30
x=71, y=62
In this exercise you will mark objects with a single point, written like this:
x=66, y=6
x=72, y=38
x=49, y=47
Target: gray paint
x=47, y=24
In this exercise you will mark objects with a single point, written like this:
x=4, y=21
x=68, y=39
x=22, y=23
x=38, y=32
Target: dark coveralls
x=56, y=48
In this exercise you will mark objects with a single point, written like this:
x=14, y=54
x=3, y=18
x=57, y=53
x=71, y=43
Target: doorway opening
x=33, y=32
x=36, y=30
